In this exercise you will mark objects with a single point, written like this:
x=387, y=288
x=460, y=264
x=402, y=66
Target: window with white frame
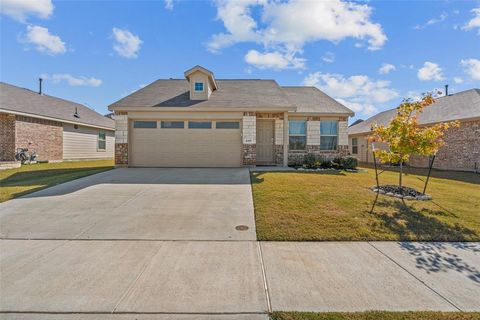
x=328, y=135
x=297, y=136
x=102, y=141
x=199, y=86
x=354, y=145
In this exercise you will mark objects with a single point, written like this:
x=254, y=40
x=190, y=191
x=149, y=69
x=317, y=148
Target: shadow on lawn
x=469, y=177
x=25, y=178
x=409, y=223
x=438, y=257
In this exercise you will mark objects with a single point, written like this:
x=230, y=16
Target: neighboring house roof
x=249, y=93
x=463, y=105
x=356, y=122
x=25, y=101
x=312, y=100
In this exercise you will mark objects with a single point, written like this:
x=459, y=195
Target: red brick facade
x=460, y=152
x=7, y=137
x=43, y=136
x=249, y=154
x=121, y=154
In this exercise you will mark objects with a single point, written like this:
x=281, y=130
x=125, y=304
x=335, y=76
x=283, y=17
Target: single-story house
x=201, y=121
x=55, y=128
x=462, y=145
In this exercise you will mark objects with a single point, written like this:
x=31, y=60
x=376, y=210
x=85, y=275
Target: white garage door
x=184, y=143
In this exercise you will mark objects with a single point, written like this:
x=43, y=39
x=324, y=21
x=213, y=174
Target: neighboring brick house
x=56, y=129
x=204, y=122
x=462, y=145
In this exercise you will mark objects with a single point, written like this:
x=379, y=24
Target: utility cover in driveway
x=153, y=203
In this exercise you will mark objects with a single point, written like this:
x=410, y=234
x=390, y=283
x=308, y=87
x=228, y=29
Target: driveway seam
x=264, y=277
x=414, y=276
x=132, y=284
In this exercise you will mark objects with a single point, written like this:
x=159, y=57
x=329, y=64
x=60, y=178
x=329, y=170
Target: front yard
x=303, y=206
x=376, y=315
x=33, y=177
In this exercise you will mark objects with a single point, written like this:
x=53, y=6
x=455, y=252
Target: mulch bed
x=402, y=193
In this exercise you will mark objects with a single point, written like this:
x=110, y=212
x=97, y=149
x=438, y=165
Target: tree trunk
x=400, y=177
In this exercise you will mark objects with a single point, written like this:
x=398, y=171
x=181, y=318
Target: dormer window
x=199, y=86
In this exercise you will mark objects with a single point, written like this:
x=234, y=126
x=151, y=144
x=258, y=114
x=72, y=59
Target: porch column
x=285, y=139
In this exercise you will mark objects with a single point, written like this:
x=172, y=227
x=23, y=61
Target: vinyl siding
x=82, y=143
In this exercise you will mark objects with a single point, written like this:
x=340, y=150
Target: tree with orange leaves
x=405, y=137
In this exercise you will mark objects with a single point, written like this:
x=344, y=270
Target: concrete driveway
x=147, y=204
x=162, y=244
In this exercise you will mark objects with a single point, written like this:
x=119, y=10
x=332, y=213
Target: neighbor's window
x=198, y=86
x=199, y=124
x=328, y=135
x=354, y=145
x=227, y=125
x=172, y=124
x=145, y=124
x=102, y=140
x=297, y=135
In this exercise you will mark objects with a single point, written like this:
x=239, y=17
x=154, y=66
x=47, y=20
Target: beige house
x=201, y=121
x=56, y=129
x=462, y=145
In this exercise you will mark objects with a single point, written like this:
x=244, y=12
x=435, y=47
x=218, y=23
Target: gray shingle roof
x=22, y=100
x=459, y=106
x=311, y=99
x=249, y=93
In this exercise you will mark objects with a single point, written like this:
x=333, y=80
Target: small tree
x=404, y=137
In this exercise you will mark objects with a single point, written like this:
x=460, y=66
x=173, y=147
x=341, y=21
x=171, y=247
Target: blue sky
x=95, y=52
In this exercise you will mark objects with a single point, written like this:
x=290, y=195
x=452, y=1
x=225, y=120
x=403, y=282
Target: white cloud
x=432, y=21
x=21, y=9
x=472, y=68
x=288, y=26
x=359, y=92
x=386, y=68
x=474, y=23
x=44, y=41
x=329, y=57
x=73, y=81
x=126, y=43
x=458, y=80
x=169, y=4
x=273, y=60
x=430, y=71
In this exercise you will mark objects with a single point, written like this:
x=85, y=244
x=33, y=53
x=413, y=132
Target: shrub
x=309, y=161
x=349, y=163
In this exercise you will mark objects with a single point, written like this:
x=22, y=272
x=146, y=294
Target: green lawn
x=336, y=206
x=29, y=178
x=376, y=315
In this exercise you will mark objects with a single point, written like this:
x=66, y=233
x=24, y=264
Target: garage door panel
x=185, y=147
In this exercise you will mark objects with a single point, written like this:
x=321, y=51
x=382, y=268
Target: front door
x=265, y=139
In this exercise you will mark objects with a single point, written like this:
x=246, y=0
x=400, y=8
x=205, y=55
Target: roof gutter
x=55, y=119
x=203, y=109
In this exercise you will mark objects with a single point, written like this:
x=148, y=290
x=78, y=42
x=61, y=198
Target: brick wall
x=43, y=136
x=313, y=142
x=121, y=154
x=460, y=152
x=7, y=137
x=249, y=139
x=121, y=139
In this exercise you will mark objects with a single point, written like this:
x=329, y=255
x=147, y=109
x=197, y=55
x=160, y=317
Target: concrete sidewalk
x=225, y=278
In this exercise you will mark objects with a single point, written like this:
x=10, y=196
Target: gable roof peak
x=203, y=70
